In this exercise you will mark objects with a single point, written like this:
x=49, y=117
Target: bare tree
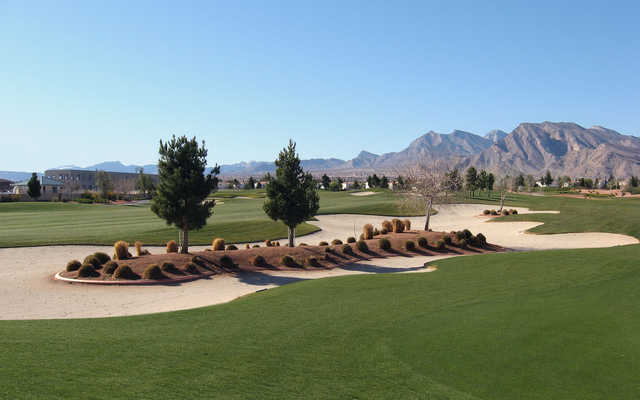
x=503, y=185
x=424, y=188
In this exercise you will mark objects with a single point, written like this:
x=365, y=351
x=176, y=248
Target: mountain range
x=563, y=148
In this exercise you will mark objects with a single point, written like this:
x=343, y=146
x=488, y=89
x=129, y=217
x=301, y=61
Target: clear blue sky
x=84, y=82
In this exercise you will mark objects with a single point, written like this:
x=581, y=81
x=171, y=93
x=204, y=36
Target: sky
x=84, y=82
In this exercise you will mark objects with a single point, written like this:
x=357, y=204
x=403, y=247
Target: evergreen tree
x=384, y=182
x=491, y=179
x=104, y=184
x=145, y=183
x=250, y=183
x=33, y=186
x=183, y=188
x=292, y=195
x=326, y=182
x=548, y=179
x=471, y=180
x=520, y=181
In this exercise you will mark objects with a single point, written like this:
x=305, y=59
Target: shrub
x=407, y=224
x=259, y=261
x=384, y=244
x=447, y=240
x=423, y=242
x=197, y=260
x=347, y=249
x=410, y=245
x=153, y=272
x=268, y=243
x=486, y=212
x=232, y=247
x=73, y=265
x=440, y=244
x=467, y=234
x=514, y=211
x=168, y=267
x=246, y=246
x=336, y=242
x=482, y=240
x=109, y=267
x=172, y=246
x=494, y=212
x=102, y=257
x=256, y=246
x=277, y=244
x=191, y=268
x=398, y=226
x=505, y=212
x=121, y=250
x=288, y=261
x=351, y=239
x=124, y=272
x=328, y=250
x=460, y=235
x=387, y=226
x=384, y=231
x=323, y=243
x=367, y=231
x=218, y=244
x=93, y=260
x=473, y=241
x=361, y=237
x=86, y=271
x=313, y=262
x=362, y=246
x=376, y=232
x=138, y=248
x=227, y=262
x=463, y=244
x=302, y=245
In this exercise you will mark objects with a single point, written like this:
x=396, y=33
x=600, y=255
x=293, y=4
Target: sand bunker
x=363, y=193
x=30, y=292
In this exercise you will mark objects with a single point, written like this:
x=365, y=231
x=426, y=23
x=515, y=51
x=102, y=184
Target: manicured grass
x=235, y=220
x=554, y=324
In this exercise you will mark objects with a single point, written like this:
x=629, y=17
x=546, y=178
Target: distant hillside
x=15, y=176
x=495, y=135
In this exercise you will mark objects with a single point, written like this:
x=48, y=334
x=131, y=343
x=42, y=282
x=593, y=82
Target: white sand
x=363, y=193
x=30, y=292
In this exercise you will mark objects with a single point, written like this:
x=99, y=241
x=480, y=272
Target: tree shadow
x=261, y=279
x=375, y=269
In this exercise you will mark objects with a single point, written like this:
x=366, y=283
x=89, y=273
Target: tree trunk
x=292, y=236
x=426, y=223
x=184, y=249
x=502, y=196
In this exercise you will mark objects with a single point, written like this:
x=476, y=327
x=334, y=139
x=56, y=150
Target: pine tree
x=292, y=195
x=183, y=188
x=33, y=186
x=472, y=180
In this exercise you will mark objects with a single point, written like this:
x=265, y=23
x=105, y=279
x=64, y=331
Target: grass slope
x=558, y=324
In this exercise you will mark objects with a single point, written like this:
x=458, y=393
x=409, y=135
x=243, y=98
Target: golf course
x=528, y=325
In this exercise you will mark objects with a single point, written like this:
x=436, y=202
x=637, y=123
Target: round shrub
x=138, y=248
x=514, y=211
x=124, y=272
x=473, y=241
x=407, y=224
x=246, y=246
x=423, y=242
x=288, y=261
x=313, y=262
x=153, y=272
x=227, y=262
x=302, y=245
x=361, y=245
x=398, y=226
x=323, y=243
x=463, y=244
x=218, y=244
x=361, y=237
x=259, y=261
x=460, y=235
x=336, y=242
x=351, y=239
x=86, y=271
x=376, y=232
x=277, y=244
x=494, y=212
x=109, y=267
x=387, y=226
x=384, y=231
x=73, y=265
x=410, y=245
x=367, y=231
x=482, y=240
x=505, y=212
x=102, y=257
x=93, y=260
x=168, y=267
x=121, y=250
x=347, y=249
x=256, y=246
x=197, y=260
x=268, y=243
x=447, y=240
x=384, y=244
x=440, y=245
x=232, y=247
x=328, y=250
x=486, y=212
x=172, y=246
x=467, y=234
x=191, y=268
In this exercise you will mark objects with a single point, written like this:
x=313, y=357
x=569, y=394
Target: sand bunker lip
x=30, y=292
x=363, y=193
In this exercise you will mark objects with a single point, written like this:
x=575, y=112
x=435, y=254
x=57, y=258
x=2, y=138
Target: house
x=5, y=185
x=49, y=187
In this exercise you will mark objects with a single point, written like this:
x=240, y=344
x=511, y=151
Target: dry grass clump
x=407, y=224
x=259, y=261
x=486, y=212
x=440, y=245
x=86, y=271
x=313, y=262
x=493, y=212
x=423, y=242
x=73, y=265
x=227, y=262
x=397, y=225
x=120, y=250
x=288, y=261
x=125, y=272
x=93, y=260
x=351, y=239
x=482, y=239
x=514, y=211
x=362, y=246
x=268, y=243
x=387, y=226
x=102, y=257
x=169, y=267
x=140, y=251
x=367, y=231
x=410, y=245
x=191, y=268
x=336, y=242
x=246, y=246
x=384, y=244
x=109, y=267
x=347, y=249
x=218, y=244
x=231, y=247
x=323, y=243
x=172, y=246
x=153, y=272
x=447, y=240
x=376, y=232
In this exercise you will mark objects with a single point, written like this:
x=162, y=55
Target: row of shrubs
x=504, y=212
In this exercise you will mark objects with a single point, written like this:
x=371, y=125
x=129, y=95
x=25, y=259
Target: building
x=49, y=188
x=5, y=185
x=81, y=180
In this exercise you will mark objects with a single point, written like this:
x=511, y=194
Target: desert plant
x=323, y=243
x=361, y=237
x=423, y=242
x=268, y=243
x=410, y=245
x=246, y=246
x=351, y=239
x=367, y=231
x=256, y=246
x=440, y=244
x=407, y=224
x=313, y=262
x=227, y=262
x=93, y=260
x=384, y=244
x=482, y=240
x=347, y=249
x=505, y=212
x=172, y=246
x=486, y=212
x=231, y=247
x=109, y=267
x=218, y=244
x=168, y=267
x=463, y=244
x=328, y=250
x=361, y=245
x=387, y=226
x=302, y=245
x=384, y=231
x=87, y=270
x=191, y=268
x=447, y=240
x=138, y=248
x=460, y=235
x=102, y=257
x=494, y=212
x=259, y=261
x=121, y=250
x=398, y=226
x=376, y=231
x=124, y=272
x=513, y=211
x=277, y=244
x=467, y=234
x=153, y=272
x=73, y=265
x=288, y=261
x=336, y=242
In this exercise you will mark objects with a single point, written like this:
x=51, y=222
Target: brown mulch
x=208, y=262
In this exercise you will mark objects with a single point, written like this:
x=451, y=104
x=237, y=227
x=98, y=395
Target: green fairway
x=235, y=219
x=555, y=324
